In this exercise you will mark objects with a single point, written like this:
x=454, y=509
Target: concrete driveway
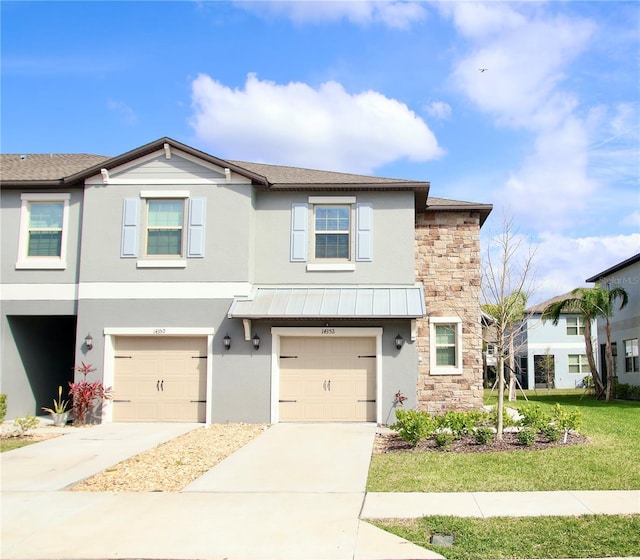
x=294, y=492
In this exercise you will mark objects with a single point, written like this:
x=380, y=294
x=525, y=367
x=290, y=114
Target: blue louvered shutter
x=364, y=231
x=130, y=215
x=299, y=224
x=195, y=244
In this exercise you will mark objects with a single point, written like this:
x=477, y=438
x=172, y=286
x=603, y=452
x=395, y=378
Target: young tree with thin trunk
x=592, y=303
x=507, y=280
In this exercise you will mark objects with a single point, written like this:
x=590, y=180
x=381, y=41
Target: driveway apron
x=296, y=458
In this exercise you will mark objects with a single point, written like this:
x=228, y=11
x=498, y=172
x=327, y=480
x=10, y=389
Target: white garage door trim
x=108, y=366
x=324, y=332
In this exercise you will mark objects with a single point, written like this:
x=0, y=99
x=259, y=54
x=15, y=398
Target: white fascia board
x=158, y=331
x=327, y=332
x=556, y=345
x=163, y=290
x=332, y=200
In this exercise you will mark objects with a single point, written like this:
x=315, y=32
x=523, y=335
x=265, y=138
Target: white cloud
x=126, y=113
x=564, y=263
x=398, y=15
x=295, y=124
x=438, y=109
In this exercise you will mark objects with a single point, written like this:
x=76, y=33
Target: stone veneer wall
x=447, y=256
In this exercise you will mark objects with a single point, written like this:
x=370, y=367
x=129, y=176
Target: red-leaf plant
x=84, y=394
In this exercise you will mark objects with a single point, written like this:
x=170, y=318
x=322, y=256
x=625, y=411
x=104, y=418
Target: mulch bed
x=393, y=443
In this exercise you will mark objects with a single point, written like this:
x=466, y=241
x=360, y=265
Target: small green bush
x=552, y=432
x=413, y=426
x=484, y=435
x=444, y=439
x=527, y=436
x=3, y=407
x=26, y=423
x=532, y=415
x=628, y=392
x=460, y=423
x=507, y=421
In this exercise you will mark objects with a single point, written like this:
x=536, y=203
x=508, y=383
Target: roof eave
x=483, y=209
x=614, y=268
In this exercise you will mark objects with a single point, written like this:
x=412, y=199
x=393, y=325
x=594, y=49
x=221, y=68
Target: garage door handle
x=329, y=384
x=158, y=385
x=162, y=385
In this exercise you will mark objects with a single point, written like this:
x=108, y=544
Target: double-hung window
x=445, y=346
x=43, y=230
x=165, y=224
x=166, y=231
x=331, y=233
x=575, y=326
x=631, y=356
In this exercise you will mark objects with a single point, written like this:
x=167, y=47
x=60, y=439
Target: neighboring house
x=556, y=350
x=625, y=323
x=208, y=290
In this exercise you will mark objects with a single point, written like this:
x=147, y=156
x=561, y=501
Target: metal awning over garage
x=397, y=302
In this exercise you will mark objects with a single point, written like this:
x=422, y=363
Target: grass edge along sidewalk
x=586, y=536
x=613, y=430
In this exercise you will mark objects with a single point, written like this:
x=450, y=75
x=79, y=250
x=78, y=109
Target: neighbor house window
x=575, y=325
x=332, y=232
x=578, y=364
x=631, y=356
x=165, y=224
x=43, y=230
x=445, y=346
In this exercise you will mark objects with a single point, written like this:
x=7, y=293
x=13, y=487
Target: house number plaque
x=328, y=331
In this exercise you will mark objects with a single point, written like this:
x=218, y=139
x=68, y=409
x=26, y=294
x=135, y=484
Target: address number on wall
x=159, y=331
x=328, y=331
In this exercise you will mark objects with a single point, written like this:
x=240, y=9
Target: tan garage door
x=160, y=379
x=327, y=379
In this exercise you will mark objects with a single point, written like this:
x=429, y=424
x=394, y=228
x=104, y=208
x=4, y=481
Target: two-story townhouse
x=625, y=322
x=556, y=351
x=212, y=290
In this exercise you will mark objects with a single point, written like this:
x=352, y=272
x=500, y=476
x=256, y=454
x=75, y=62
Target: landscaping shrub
x=532, y=415
x=444, y=439
x=3, y=407
x=552, y=432
x=460, y=423
x=413, y=426
x=527, y=436
x=507, y=420
x=26, y=423
x=625, y=391
x=85, y=395
x=484, y=435
x=566, y=419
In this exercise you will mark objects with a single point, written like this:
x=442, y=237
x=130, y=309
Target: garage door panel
x=327, y=377
x=164, y=378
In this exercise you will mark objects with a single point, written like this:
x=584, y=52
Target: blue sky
x=549, y=133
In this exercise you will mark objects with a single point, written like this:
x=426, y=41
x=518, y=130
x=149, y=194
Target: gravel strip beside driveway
x=175, y=464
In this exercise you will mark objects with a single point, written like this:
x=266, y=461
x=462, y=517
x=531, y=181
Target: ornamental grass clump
x=86, y=395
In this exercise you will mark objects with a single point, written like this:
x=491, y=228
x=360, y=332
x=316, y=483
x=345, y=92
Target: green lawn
x=7, y=444
x=610, y=461
x=588, y=536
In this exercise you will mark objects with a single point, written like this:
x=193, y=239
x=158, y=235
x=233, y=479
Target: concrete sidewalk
x=296, y=491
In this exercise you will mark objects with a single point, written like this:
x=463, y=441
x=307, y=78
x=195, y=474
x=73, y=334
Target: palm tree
x=591, y=303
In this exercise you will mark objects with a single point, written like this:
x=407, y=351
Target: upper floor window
x=341, y=232
x=43, y=230
x=575, y=325
x=170, y=229
x=165, y=222
x=332, y=232
x=631, y=356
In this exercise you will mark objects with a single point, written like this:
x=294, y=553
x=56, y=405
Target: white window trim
x=440, y=370
x=50, y=263
x=624, y=344
x=157, y=261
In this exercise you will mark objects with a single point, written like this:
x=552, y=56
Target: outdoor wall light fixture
x=226, y=341
x=256, y=341
x=88, y=341
x=399, y=341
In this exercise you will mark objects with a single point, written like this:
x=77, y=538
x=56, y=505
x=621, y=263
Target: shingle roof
x=540, y=307
x=614, y=268
x=45, y=167
x=286, y=175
